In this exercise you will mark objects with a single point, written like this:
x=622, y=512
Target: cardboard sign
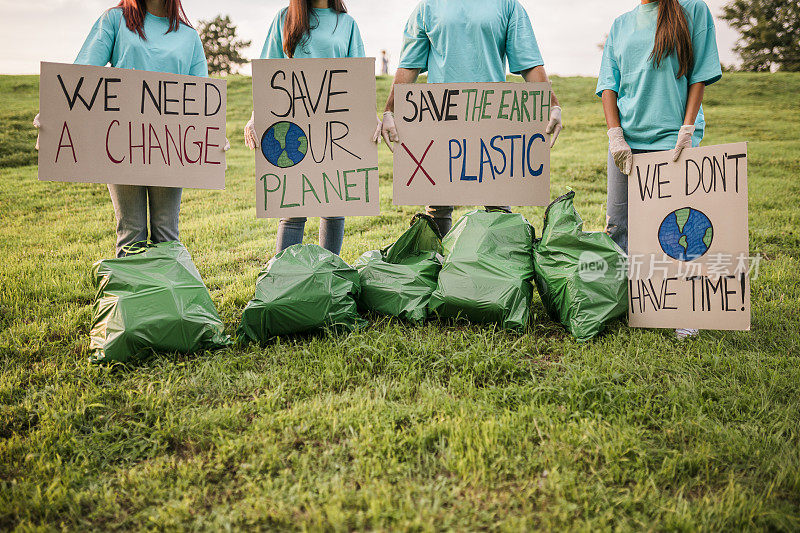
x=472, y=144
x=314, y=120
x=131, y=127
x=688, y=240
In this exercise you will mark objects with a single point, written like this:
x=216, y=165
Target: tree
x=602, y=45
x=768, y=31
x=223, y=50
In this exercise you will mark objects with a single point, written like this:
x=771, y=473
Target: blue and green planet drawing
x=686, y=234
x=284, y=144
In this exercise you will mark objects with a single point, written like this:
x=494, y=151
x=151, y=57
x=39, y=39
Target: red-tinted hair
x=134, y=11
x=297, y=24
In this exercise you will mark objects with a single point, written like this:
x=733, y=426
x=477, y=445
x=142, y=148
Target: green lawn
x=395, y=427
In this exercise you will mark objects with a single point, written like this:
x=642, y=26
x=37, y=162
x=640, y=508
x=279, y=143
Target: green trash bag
x=398, y=280
x=153, y=300
x=304, y=288
x=487, y=270
x=580, y=276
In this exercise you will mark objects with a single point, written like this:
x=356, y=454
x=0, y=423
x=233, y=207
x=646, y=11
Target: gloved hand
x=620, y=151
x=250, y=139
x=227, y=145
x=555, y=126
x=684, y=140
x=377, y=137
x=37, y=125
x=387, y=130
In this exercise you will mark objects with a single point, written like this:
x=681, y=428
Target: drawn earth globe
x=284, y=144
x=686, y=234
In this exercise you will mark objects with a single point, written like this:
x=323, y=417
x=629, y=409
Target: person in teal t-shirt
x=162, y=47
x=466, y=41
x=657, y=61
x=309, y=29
x=140, y=35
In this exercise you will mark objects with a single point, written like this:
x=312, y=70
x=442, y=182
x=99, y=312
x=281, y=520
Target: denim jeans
x=130, y=207
x=617, y=205
x=331, y=233
x=443, y=215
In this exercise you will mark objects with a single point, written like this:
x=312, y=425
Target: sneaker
x=685, y=333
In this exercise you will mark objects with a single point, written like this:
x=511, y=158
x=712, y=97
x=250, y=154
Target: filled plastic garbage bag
x=304, y=288
x=487, y=270
x=153, y=300
x=399, y=279
x=580, y=275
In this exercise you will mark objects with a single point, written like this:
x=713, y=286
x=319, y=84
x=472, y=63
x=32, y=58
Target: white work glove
x=227, y=145
x=620, y=151
x=387, y=130
x=250, y=139
x=377, y=137
x=37, y=125
x=555, y=126
x=684, y=140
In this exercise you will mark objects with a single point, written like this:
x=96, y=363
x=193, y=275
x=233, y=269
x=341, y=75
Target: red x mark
x=419, y=163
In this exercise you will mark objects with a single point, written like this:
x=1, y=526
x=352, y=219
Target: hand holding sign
x=37, y=124
x=250, y=139
x=684, y=140
x=554, y=127
x=388, y=130
x=620, y=150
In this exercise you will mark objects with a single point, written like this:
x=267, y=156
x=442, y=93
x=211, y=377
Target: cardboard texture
x=472, y=144
x=131, y=127
x=314, y=119
x=688, y=239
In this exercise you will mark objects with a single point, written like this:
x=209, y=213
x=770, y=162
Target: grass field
x=396, y=427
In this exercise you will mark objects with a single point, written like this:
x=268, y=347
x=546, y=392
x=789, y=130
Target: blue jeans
x=331, y=233
x=442, y=216
x=617, y=206
x=130, y=207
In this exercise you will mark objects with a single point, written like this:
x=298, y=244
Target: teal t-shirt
x=176, y=52
x=652, y=101
x=469, y=40
x=332, y=35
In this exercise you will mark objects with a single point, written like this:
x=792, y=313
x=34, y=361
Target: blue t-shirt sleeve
x=522, y=49
x=273, y=46
x=99, y=44
x=416, y=46
x=356, y=48
x=609, y=78
x=199, y=64
x=707, y=68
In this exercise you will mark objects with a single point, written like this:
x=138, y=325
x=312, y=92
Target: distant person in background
x=309, y=29
x=384, y=63
x=657, y=62
x=466, y=41
x=152, y=35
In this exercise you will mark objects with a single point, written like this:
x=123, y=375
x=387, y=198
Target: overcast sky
x=568, y=31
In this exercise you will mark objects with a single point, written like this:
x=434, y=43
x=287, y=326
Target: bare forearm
x=539, y=74
x=610, y=109
x=403, y=75
x=693, y=102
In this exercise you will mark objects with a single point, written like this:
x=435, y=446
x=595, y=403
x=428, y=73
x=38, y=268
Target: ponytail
x=672, y=35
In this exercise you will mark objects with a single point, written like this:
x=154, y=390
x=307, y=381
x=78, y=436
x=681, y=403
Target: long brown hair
x=297, y=24
x=134, y=11
x=672, y=35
